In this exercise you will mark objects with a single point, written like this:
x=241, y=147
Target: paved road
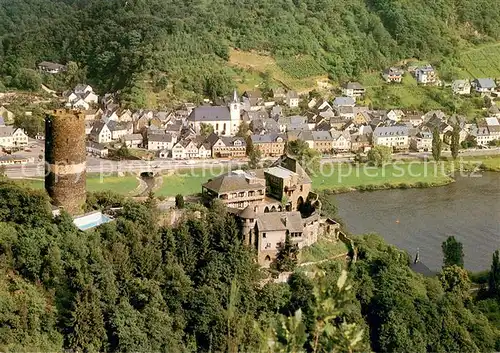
x=107, y=167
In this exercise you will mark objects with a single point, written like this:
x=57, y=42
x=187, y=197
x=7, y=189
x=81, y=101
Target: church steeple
x=235, y=96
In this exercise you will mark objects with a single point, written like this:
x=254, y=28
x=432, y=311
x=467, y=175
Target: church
x=225, y=120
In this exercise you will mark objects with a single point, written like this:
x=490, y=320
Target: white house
x=484, y=85
x=341, y=140
x=132, y=140
x=100, y=132
x=353, y=89
x=395, y=115
x=426, y=75
x=158, y=142
x=118, y=130
x=292, y=99
x=96, y=149
x=391, y=136
x=421, y=142
x=461, y=87
x=50, y=67
x=80, y=103
x=12, y=137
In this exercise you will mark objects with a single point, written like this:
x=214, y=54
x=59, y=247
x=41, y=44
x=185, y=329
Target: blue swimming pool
x=91, y=220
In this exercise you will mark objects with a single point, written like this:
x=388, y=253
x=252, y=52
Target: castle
x=267, y=204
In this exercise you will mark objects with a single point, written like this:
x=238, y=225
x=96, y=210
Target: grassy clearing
x=341, y=177
x=124, y=185
x=186, y=182
x=301, y=67
x=257, y=63
x=322, y=250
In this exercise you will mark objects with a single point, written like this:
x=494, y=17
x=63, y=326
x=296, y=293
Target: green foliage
x=308, y=158
x=179, y=201
x=494, y=277
x=206, y=130
x=27, y=79
x=455, y=141
x=379, y=155
x=437, y=145
x=301, y=67
x=286, y=258
x=453, y=253
x=173, y=42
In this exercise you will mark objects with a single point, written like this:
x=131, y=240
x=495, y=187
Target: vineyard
x=301, y=67
x=481, y=62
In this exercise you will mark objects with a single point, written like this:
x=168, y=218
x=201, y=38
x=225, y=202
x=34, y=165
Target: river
x=469, y=209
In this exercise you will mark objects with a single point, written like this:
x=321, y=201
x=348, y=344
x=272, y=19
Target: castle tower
x=65, y=159
x=235, y=114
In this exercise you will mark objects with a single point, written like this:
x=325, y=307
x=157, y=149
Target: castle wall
x=65, y=159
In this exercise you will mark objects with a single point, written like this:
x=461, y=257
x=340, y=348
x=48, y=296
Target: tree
x=179, y=201
x=206, y=130
x=437, y=145
x=456, y=280
x=254, y=159
x=379, y=155
x=28, y=79
x=123, y=152
x=3, y=171
x=286, y=258
x=453, y=253
x=243, y=129
x=307, y=157
x=455, y=141
x=494, y=276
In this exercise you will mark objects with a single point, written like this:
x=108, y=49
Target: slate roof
x=209, y=113
x=267, y=138
x=117, y=126
x=233, y=181
x=160, y=137
x=130, y=137
x=383, y=131
x=343, y=101
x=487, y=83
x=6, y=131
x=276, y=221
x=353, y=85
x=322, y=136
x=51, y=65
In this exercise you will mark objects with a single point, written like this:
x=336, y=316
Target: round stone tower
x=65, y=159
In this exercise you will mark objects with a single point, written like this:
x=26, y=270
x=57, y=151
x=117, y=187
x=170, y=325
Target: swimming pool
x=91, y=220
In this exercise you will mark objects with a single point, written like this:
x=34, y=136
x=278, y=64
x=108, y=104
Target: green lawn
x=125, y=185
x=186, y=182
x=344, y=176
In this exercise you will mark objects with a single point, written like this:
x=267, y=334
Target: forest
x=136, y=285
x=120, y=44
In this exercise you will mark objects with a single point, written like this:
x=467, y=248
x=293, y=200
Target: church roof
x=209, y=113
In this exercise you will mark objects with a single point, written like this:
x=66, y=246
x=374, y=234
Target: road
x=108, y=167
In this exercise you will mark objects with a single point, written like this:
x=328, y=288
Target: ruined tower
x=65, y=159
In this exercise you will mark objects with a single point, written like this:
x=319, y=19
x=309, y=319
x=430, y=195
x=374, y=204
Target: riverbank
x=346, y=177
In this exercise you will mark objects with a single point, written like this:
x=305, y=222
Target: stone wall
x=65, y=159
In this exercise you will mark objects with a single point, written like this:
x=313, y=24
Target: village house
x=322, y=141
x=118, y=130
x=395, y=115
x=50, y=67
x=269, y=145
x=345, y=112
x=251, y=100
x=421, y=142
x=426, y=75
x=362, y=118
x=493, y=125
x=292, y=99
x=484, y=85
x=344, y=102
x=360, y=142
x=482, y=135
x=391, y=136
x=353, y=89
x=227, y=147
x=393, y=75
x=89, y=124
x=279, y=94
x=160, y=141
x=96, y=149
x=461, y=87
x=100, y=132
x=82, y=97
x=341, y=141
x=132, y=140
x=494, y=111
x=293, y=123
x=12, y=137
x=185, y=149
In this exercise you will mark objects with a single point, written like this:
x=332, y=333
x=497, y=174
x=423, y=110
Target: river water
x=469, y=209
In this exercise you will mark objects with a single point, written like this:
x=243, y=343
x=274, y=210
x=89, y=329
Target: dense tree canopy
x=136, y=285
x=186, y=43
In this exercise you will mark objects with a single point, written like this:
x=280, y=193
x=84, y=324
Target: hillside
x=186, y=44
